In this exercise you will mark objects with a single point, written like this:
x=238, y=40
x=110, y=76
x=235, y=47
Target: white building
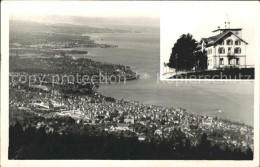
x=225, y=49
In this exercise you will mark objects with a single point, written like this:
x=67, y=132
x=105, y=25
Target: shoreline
x=100, y=35
x=189, y=112
x=160, y=106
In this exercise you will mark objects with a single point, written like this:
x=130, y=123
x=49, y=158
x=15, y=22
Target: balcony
x=231, y=54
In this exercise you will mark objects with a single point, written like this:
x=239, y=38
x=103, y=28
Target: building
x=225, y=49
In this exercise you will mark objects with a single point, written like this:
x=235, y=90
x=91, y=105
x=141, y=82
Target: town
x=87, y=106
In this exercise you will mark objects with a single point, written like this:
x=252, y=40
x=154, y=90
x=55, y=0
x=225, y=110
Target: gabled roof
x=198, y=47
x=212, y=40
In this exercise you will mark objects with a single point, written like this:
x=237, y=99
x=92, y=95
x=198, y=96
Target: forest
x=89, y=142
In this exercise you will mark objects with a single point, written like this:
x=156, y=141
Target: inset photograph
x=210, y=43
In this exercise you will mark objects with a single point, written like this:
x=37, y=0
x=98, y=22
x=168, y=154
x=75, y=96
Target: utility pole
x=176, y=65
x=245, y=61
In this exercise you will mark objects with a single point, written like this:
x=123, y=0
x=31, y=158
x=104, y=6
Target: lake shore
x=204, y=98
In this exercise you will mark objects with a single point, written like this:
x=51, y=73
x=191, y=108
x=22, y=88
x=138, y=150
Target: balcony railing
x=231, y=54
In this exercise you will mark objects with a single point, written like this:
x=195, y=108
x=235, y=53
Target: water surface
x=230, y=100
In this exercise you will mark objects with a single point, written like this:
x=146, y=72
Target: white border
x=39, y=163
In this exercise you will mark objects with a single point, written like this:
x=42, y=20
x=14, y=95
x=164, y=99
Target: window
x=221, y=50
x=238, y=50
x=237, y=61
x=229, y=50
x=221, y=61
x=229, y=61
x=221, y=43
x=237, y=42
x=229, y=42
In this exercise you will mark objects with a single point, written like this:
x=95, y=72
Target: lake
x=233, y=100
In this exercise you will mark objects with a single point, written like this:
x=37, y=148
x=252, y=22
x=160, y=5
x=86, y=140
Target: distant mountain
x=127, y=23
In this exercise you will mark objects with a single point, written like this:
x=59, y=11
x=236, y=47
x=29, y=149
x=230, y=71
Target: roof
x=213, y=39
x=231, y=29
x=122, y=125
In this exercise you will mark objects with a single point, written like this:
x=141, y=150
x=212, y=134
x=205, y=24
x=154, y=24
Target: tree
x=182, y=56
x=90, y=142
x=62, y=53
x=200, y=60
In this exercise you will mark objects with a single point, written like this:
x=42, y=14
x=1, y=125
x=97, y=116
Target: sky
x=201, y=18
x=86, y=8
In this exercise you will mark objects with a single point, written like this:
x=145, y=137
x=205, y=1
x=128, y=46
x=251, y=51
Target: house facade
x=225, y=49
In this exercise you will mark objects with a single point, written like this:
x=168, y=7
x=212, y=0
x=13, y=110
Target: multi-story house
x=225, y=49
